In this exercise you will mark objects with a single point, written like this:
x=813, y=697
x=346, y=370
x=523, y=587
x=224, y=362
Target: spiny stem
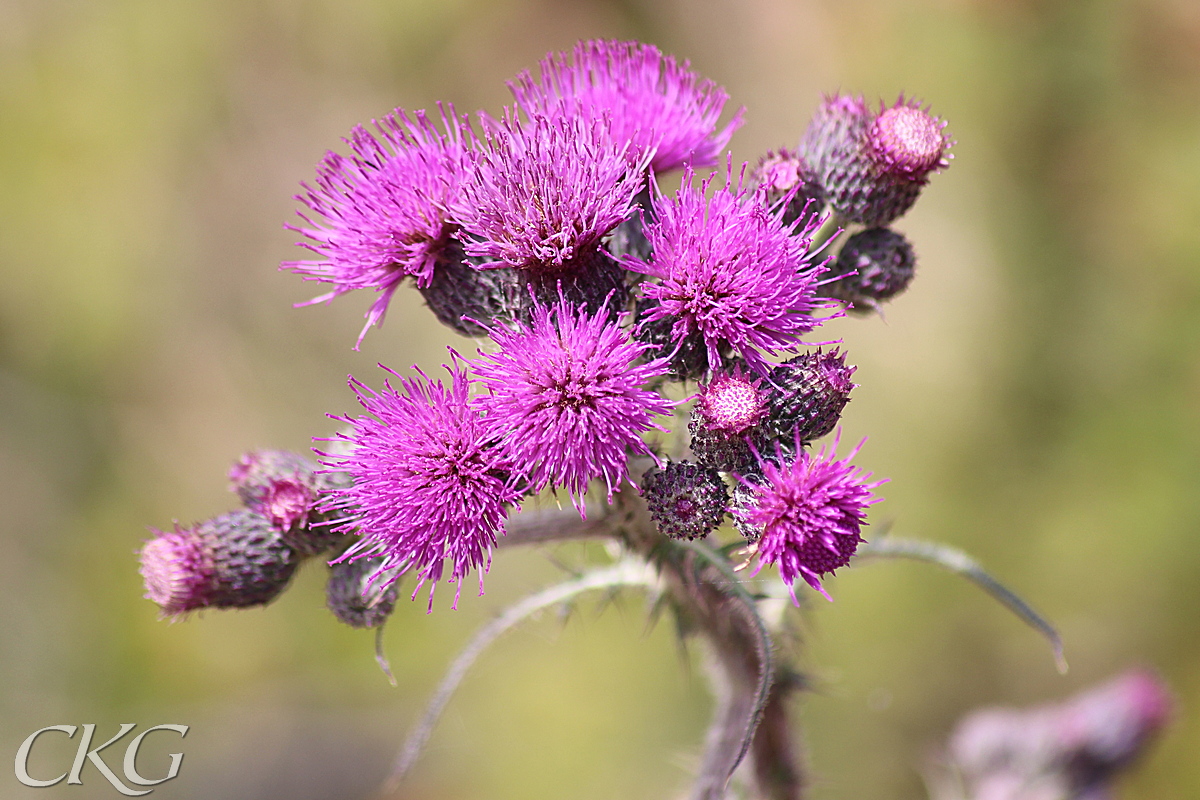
x=747, y=610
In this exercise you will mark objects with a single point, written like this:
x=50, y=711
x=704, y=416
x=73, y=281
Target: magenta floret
x=429, y=484
x=808, y=511
x=380, y=215
x=654, y=101
x=729, y=270
x=566, y=398
x=543, y=193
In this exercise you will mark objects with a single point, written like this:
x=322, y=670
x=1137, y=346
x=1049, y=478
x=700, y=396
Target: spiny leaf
x=960, y=563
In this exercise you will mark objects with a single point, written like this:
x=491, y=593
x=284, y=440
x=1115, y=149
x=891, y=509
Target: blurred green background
x=1035, y=398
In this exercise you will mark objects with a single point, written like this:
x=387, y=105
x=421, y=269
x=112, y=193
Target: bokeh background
x=1035, y=398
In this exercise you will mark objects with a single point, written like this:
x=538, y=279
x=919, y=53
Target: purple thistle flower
x=381, y=212
x=807, y=511
x=543, y=194
x=730, y=270
x=429, y=485
x=566, y=400
x=653, y=101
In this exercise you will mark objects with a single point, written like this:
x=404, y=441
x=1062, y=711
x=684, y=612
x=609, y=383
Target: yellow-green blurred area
x=1034, y=398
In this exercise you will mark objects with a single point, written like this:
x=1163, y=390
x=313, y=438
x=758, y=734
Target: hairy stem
x=711, y=600
x=557, y=525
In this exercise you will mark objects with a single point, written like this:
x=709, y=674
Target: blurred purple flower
x=429, y=485
x=807, y=511
x=1065, y=751
x=565, y=399
x=381, y=212
x=652, y=100
x=729, y=270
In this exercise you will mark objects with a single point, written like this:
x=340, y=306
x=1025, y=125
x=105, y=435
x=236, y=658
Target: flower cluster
x=544, y=230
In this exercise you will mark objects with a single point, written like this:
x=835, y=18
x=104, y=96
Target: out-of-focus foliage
x=1035, y=397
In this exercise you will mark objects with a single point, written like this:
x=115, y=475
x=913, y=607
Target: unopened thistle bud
x=813, y=390
x=236, y=560
x=686, y=501
x=285, y=487
x=361, y=593
x=873, y=265
x=786, y=175
x=725, y=420
x=906, y=141
x=873, y=167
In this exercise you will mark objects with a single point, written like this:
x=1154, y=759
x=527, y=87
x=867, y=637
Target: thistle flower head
x=236, y=560
x=429, y=486
x=360, y=594
x=872, y=167
x=177, y=571
x=566, y=400
x=652, y=100
x=379, y=215
x=686, y=501
x=543, y=193
x=277, y=484
x=813, y=388
x=907, y=141
x=732, y=401
x=729, y=270
x=807, y=511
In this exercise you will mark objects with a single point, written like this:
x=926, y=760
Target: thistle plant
x=652, y=356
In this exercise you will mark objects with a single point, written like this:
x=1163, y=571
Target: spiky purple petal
x=379, y=215
x=565, y=398
x=429, y=485
x=729, y=270
x=654, y=101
